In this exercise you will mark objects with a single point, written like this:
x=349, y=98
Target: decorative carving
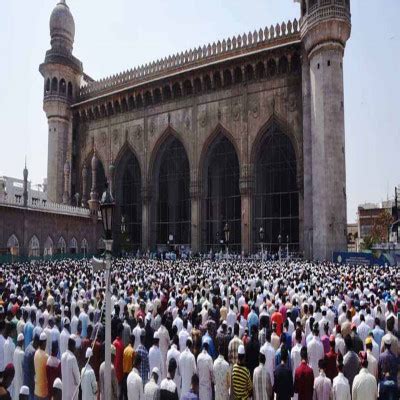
x=187, y=122
x=236, y=112
x=138, y=132
x=292, y=102
x=203, y=118
x=152, y=128
x=254, y=108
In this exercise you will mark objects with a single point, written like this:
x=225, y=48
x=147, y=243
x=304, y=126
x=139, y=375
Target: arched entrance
x=276, y=199
x=222, y=205
x=128, y=221
x=171, y=203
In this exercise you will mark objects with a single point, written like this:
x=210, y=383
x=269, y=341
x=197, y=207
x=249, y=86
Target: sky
x=116, y=35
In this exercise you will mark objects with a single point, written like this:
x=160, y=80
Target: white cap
x=262, y=350
x=43, y=337
x=89, y=352
x=20, y=337
x=241, y=350
x=155, y=370
x=24, y=390
x=156, y=335
x=57, y=384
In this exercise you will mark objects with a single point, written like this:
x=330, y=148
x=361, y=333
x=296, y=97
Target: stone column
x=246, y=185
x=67, y=172
x=146, y=203
x=84, y=186
x=195, y=202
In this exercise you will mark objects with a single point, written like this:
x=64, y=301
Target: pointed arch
x=48, y=247
x=170, y=177
x=34, y=247
x=220, y=176
x=73, y=246
x=276, y=189
x=100, y=244
x=84, y=246
x=61, y=246
x=127, y=194
x=13, y=245
x=101, y=172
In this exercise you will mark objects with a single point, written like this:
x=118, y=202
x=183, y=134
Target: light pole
x=226, y=236
x=107, y=206
x=280, y=242
x=261, y=235
x=287, y=248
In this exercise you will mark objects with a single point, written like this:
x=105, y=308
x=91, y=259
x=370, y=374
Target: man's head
x=241, y=354
x=172, y=366
x=322, y=364
x=303, y=353
x=195, y=383
x=155, y=373
x=71, y=345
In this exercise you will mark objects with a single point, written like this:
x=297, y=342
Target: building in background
x=13, y=188
x=352, y=238
x=220, y=142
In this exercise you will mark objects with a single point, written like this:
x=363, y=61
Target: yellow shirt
x=129, y=355
x=40, y=362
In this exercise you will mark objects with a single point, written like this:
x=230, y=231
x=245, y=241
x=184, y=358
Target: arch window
x=276, y=200
x=172, y=206
x=227, y=78
x=148, y=101
x=139, y=101
x=197, y=86
x=249, y=73
x=260, y=70
x=217, y=80
x=207, y=83
x=73, y=246
x=110, y=109
x=48, y=247
x=222, y=202
x=157, y=98
x=117, y=107
x=271, y=67
x=131, y=102
x=54, y=85
x=13, y=245
x=187, y=88
x=296, y=63
x=47, y=86
x=176, y=90
x=34, y=247
x=70, y=90
x=124, y=105
x=63, y=86
x=84, y=247
x=167, y=93
x=61, y=246
x=128, y=216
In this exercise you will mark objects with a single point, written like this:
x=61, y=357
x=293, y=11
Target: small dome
x=62, y=26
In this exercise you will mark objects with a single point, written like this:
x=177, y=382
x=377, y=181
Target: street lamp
x=226, y=236
x=261, y=235
x=280, y=241
x=107, y=206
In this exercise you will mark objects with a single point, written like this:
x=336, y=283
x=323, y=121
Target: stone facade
x=281, y=83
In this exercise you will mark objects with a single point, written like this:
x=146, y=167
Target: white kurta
x=315, y=351
x=164, y=346
x=155, y=358
x=134, y=386
x=364, y=386
x=64, y=337
x=187, y=367
x=173, y=352
x=341, y=388
x=70, y=376
x=89, y=383
x=222, y=378
x=18, y=359
x=205, y=370
x=150, y=389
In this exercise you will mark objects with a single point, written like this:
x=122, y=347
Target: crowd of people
x=200, y=330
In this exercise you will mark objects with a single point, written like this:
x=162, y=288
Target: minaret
x=62, y=74
x=325, y=28
x=25, y=192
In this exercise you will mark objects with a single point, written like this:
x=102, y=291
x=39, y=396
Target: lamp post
x=280, y=242
x=261, y=235
x=226, y=236
x=107, y=206
x=217, y=241
x=287, y=247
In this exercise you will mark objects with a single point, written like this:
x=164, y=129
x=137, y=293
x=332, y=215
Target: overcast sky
x=115, y=35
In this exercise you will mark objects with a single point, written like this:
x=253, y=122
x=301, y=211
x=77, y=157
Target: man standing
x=18, y=360
x=114, y=382
x=304, y=378
x=262, y=388
x=144, y=367
x=152, y=386
x=205, y=371
x=118, y=362
x=364, y=385
x=322, y=384
x=315, y=350
x=70, y=373
x=40, y=362
x=340, y=387
x=350, y=361
x=155, y=357
x=134, y=382
x=222, y=376
x=187, y=367
x=168, y=389
x=88, y=384
x=29, y=366
x=128, y=357
x=387, y=364
x=283, y=380
x=241, y=381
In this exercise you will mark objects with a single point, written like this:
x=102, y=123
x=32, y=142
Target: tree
x=380, y=229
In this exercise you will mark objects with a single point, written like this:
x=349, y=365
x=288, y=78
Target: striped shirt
x=241, y=382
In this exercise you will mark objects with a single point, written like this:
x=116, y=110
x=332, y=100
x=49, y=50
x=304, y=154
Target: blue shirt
x=378, y=335
x=28, y=333
x=190, y=396
x=211, y=348
x=28, y=366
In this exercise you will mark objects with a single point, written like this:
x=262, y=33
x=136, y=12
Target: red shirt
x=278, y=319
x=246, y=310
x=331, y=368
x=304, y=381
x=119, y=355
